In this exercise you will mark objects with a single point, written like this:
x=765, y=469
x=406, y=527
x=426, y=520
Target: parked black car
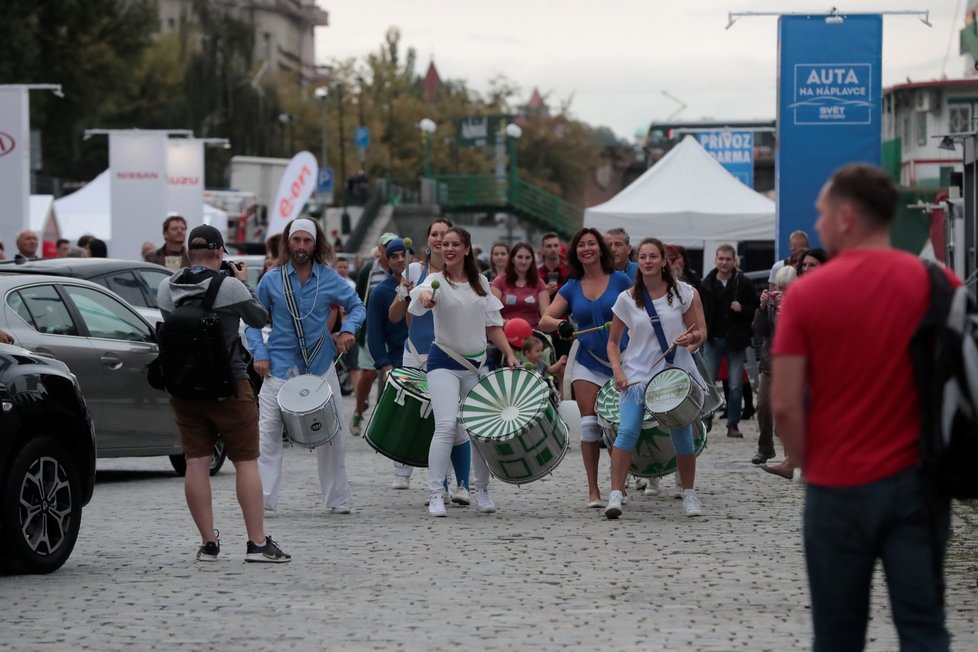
x=47, y=461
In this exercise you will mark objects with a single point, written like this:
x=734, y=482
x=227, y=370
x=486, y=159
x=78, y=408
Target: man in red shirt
x=553, y=271
x=845, y=405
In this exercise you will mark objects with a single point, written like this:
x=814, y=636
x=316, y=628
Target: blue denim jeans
x=846, y=530
x=631, y=413
x=714, y=351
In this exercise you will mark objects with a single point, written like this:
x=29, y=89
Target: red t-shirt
x=852, y=321
x=520, y=301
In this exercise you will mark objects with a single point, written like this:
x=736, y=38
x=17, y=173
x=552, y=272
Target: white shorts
x=583, y=373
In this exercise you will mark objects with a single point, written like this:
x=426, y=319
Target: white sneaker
x=691, y=503
x=652, y=488
x=401, y=482
x=613, y=510
x=460, y=496
x=641, y=483
x=342, y=509
x=677, y=490
x=436, y=505
x=484, y=500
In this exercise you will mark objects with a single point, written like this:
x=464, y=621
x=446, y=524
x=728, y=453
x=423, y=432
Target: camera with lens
x=226, y=267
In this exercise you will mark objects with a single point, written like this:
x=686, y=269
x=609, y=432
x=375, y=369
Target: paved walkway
x=543, y=573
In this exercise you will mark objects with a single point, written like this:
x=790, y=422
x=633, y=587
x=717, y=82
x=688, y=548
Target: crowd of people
x=601, y=313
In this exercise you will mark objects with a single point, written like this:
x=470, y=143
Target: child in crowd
x=533, y=353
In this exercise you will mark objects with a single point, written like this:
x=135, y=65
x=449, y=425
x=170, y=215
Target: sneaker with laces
x=355, y=428
x=484, y=500
x=210, y=550
x=652, y=488
x=613, y=510
x=691, y=503
x=269, y=553
x=460, y=496
x=401, y=482
x=436, y=505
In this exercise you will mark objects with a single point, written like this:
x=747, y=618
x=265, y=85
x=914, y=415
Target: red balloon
x=517, y=330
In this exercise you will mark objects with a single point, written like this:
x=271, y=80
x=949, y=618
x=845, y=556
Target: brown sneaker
x=733, y=432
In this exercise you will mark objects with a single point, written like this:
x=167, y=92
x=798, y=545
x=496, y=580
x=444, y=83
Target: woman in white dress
x=466, y=316
x=656, y=298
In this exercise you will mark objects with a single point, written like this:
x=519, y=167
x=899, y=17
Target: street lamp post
x=322, y=95
x=427, y=127
x=513, y=132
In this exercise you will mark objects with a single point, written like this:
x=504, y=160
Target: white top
x=643, y=346
x=461, y=315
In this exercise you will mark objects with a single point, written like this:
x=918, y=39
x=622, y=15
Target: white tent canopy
x=43, y=220
x=687, y=198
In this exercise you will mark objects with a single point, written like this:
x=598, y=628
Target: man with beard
x=315, y=286
x=173, y=253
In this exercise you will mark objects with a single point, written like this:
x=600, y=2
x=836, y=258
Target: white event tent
x=87, y=210
x=689, y=199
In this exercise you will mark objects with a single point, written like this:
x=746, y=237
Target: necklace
x=315, y=298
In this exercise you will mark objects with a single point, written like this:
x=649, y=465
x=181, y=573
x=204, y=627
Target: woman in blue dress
x=588, y=296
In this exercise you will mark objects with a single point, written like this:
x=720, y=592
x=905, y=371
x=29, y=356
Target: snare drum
x=402, y=424
x=654, y=454
x=514, y=424
x=674, y=398
x=308, y=410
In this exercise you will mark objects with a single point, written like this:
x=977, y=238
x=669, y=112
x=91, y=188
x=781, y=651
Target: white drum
x=308, y=410
x=674, y=398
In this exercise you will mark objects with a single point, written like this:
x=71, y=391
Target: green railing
x=458, y=193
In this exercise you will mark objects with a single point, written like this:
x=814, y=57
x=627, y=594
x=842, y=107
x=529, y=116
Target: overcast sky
x=615, y=58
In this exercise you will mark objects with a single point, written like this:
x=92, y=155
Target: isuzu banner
x=15, y=159
x=137, y=189
x=829, y=109
x=733, y=149
x=298, y=182
x=185, y=179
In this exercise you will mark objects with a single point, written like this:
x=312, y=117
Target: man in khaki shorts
x=234, y=418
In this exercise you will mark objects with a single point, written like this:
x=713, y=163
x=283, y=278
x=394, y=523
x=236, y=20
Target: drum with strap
x=514, y=424
x=654, y=455
x=309, y=410
x=403, y=423
x=674, y=398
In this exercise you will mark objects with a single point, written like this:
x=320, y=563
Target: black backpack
x=944, y=350
x=194, y=360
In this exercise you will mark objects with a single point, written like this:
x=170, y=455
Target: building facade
x=284, y=30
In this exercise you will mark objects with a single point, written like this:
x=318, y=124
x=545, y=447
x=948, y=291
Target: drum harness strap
x=457, y=357
x=657, y=327
x=413, y=349
x=293, y=307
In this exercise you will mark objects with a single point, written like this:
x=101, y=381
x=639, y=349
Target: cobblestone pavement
x=544, y=572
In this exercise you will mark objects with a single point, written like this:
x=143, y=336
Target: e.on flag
x=295, y=189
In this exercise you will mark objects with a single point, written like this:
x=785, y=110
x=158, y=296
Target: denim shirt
x=324, y=288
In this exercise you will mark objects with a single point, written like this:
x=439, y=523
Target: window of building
x=959, y=118
x=905, y=136
x=921, y=130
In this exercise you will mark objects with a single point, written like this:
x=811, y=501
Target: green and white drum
x=403, y=424
x=514, y=424
x=654, y=455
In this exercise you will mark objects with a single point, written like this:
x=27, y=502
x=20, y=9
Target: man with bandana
x=304, y=264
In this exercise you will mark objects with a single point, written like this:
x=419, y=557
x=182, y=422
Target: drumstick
x=434, y=288
x=408, y=242
x=603, y=327
x=664, y=354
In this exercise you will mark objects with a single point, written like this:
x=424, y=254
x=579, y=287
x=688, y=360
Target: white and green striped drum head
x=414, y=381
x=504, y=404
x=606, y=405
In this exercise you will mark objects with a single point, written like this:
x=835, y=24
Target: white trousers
x=331, y=456
x=449, y=386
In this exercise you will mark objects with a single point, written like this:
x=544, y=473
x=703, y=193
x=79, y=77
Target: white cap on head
x=302, y=224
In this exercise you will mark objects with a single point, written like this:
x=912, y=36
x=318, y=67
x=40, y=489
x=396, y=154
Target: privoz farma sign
x=833, y=94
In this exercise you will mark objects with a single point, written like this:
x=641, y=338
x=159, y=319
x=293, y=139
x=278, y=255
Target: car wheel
x=40, y=514
x=179, y=462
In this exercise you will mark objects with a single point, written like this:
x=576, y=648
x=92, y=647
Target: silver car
x=107, y=344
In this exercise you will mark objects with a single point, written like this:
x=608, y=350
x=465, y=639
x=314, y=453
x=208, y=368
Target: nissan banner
x=138, y=190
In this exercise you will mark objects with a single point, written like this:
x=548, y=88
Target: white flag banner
x=185, y=179
x=138, y=190
x=294, y=191
x=15, y=158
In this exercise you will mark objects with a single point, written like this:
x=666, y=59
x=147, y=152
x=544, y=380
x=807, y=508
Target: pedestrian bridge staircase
x=458, y=193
